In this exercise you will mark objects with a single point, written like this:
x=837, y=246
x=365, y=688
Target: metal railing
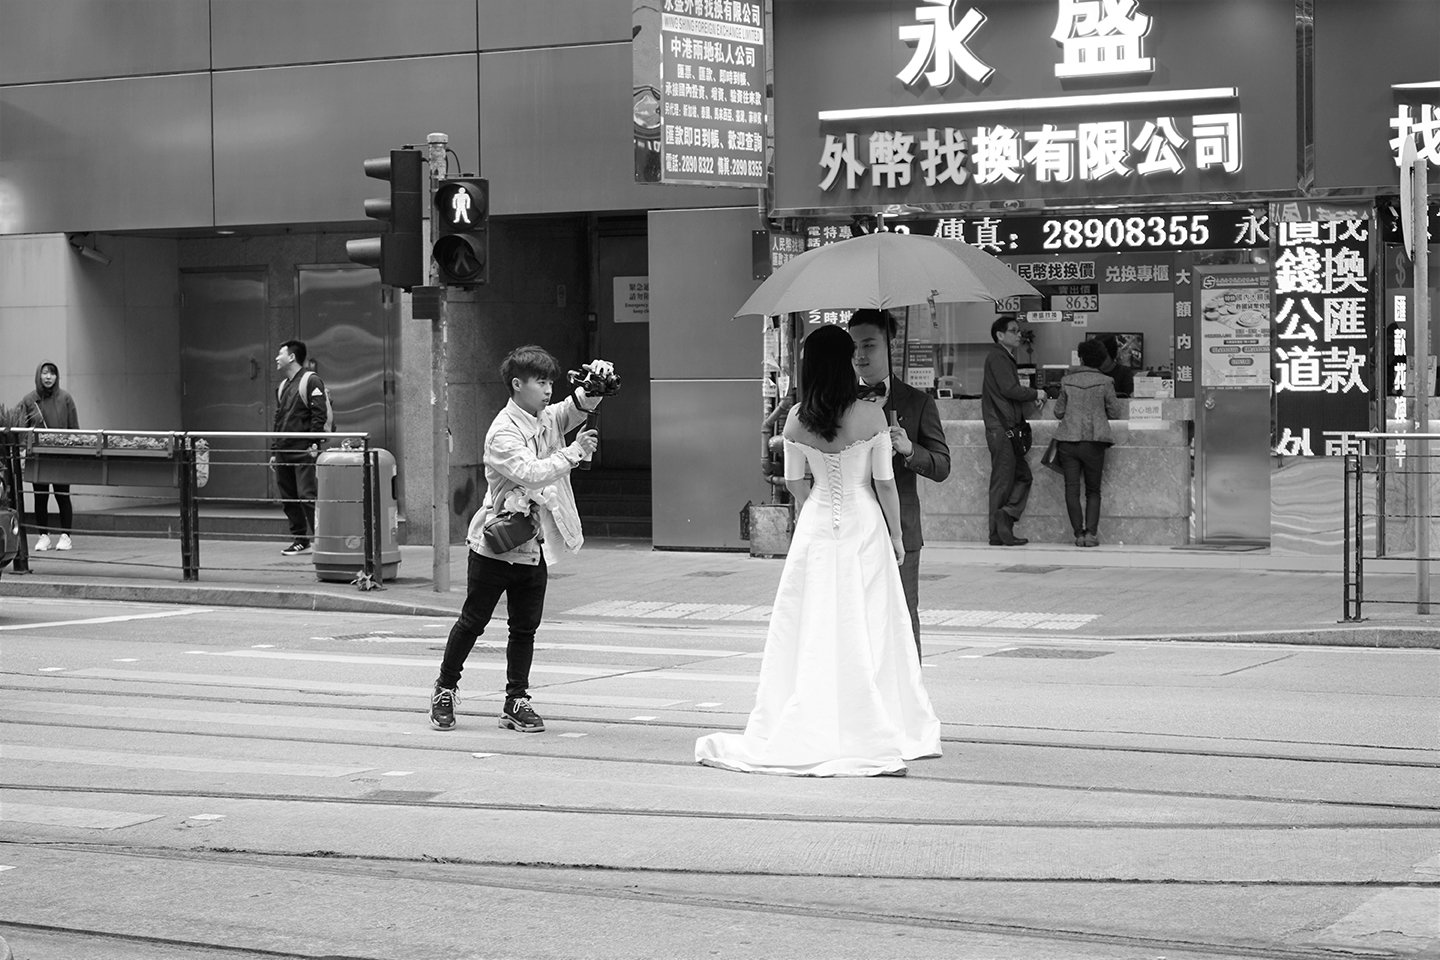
x=1388, y=517
x=179, y=460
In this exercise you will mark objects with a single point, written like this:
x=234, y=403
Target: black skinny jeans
x=523, y=587
x=62, y=503
x=1082, y=458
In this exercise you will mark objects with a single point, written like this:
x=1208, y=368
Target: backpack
x=329, y=407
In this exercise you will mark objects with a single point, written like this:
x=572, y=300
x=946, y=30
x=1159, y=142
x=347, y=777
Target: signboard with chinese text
x=1218, y=228
x=1232, y=305
x=1376, y=65
x=705, y=109
x=982, y=100
x=1323, y=333
x=632, y=299
x=772, y=249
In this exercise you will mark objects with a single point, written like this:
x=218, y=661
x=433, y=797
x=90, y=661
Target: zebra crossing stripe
x=661, y=610
x=78, y=817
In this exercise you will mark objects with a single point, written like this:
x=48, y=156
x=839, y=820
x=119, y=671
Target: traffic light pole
x=439, y=395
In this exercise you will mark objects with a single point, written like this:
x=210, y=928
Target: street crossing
x=730, y=612
x=272, y=750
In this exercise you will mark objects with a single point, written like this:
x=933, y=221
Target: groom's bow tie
x=874, y=392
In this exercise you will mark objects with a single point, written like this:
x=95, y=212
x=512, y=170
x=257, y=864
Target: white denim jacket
x=528, y=461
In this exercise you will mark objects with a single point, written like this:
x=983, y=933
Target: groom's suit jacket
x=916, y=412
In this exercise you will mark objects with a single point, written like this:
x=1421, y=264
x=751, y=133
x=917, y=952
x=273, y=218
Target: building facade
x=210, y=151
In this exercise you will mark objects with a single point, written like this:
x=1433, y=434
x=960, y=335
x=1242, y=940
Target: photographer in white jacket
x=527, y=473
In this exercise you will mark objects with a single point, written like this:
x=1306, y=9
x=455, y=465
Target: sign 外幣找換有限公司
x=699, y=97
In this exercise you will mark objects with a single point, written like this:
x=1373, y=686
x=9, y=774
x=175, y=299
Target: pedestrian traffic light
x=399, y=254
x=462, y=231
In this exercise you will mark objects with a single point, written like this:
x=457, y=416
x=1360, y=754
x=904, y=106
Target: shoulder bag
x=505, y=531
x=1051, y=457
x=1021, y=438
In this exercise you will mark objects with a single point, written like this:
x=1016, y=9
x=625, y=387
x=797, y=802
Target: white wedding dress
x=840, y=692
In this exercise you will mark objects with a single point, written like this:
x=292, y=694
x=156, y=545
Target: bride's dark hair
x=827, y=380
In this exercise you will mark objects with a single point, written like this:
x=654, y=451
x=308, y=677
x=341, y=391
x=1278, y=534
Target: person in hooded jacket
x=49, y=406
x=1086, y=405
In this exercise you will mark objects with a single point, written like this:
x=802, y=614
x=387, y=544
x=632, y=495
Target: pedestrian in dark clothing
x=1114, y=368
x=48, y=406
x=301, y=407
x=1002, y=403
x=1086, y=405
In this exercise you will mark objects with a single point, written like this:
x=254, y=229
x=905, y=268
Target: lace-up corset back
x=844, y=474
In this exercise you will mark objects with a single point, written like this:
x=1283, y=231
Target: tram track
x=714, y=724
x=600, y=810
x=548, y=879
x=1088, y=789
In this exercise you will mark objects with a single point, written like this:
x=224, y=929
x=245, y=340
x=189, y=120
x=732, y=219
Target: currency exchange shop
x=1181, y=177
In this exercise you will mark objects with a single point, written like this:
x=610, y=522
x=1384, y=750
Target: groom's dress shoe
x=1005, y=530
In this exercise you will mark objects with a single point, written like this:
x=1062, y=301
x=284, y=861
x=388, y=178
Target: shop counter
x=1145, y=494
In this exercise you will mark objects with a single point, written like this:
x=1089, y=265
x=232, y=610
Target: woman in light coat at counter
x=1086, y=405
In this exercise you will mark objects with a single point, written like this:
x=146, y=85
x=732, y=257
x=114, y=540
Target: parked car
x=9, y=520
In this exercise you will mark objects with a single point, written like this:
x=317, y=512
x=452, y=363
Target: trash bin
x=339, y=548
x=770, y=527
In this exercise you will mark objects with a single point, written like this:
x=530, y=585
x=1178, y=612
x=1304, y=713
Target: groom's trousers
x=910, y=580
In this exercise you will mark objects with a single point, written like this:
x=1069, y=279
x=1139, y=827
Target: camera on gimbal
x=595, y=384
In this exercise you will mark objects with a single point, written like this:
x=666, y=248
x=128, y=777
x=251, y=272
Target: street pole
x=1419, y=195
x=439, y=396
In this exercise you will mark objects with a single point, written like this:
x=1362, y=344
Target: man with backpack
x=302, y=407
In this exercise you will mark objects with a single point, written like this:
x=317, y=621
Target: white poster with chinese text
x=1232, y=305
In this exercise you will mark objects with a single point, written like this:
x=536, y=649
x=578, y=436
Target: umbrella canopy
x=885, y=270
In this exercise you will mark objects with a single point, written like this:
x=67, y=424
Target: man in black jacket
x=301, y=407
x=915, y=432
x=1002, y=404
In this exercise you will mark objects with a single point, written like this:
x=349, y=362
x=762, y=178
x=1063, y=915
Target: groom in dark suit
x=915, y=432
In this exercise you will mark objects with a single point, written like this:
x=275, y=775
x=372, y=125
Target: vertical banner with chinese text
x=700, y=91
x=1323, y=334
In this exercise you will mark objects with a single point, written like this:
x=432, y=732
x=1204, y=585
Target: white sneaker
x=64, y=542
x=43, y=543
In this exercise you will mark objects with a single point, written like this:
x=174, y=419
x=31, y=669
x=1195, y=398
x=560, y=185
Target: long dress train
x=840, y=691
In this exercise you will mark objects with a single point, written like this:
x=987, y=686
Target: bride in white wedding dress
x=840, y=691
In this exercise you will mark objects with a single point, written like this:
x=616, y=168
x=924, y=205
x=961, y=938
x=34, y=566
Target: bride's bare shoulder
x=794, y=429
x=866, y=418
x=861, y=422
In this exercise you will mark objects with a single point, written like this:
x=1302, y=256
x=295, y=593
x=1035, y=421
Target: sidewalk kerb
x=314, y=600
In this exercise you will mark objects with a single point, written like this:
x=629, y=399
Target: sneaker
x=442, y=708
x=519, y=715
x=64, y=542
x=43, y=543
x=297, y=548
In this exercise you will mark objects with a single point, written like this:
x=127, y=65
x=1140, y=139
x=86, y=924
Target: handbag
x=505, y=531
x=1020, y=438
x=1051, y=457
